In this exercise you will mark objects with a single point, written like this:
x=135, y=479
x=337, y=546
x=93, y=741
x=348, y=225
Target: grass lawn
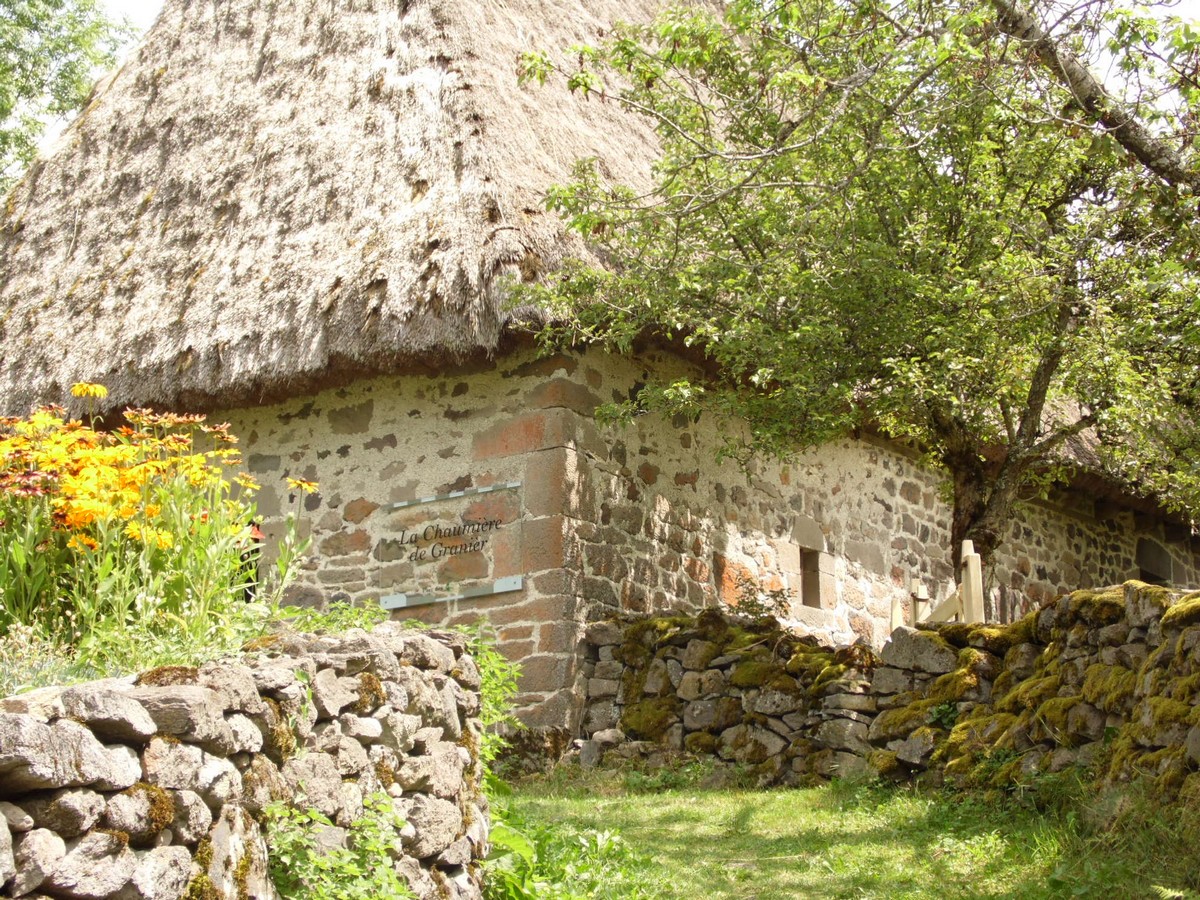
x=853, y=841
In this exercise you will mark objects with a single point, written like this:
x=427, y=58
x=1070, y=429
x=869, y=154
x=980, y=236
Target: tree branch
x=1090, y=96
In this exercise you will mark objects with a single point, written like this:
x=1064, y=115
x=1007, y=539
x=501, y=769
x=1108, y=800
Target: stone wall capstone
x=1108, y=681
x=154, y=787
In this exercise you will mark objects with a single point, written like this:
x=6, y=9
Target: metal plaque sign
x=449, y=547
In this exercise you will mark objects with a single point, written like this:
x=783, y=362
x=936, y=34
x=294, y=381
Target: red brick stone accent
x=506, y=553
x=463, y=567
x=357, y=510
x=542, y=673
x=558, y=637
x=563, y=392
x=697, y=569
x=515, y=633
x=538, y=609
x=344, y=542
x=687, y=478
x=502, y=505
x=648, y=473
x=546, y=488
x=733, y=579
x=519, y=435
x=543, y=544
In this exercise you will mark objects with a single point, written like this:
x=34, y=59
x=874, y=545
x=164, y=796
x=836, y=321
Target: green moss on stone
x=1029, y=694
x=371, y=695
x=755, y=672
x=700, y=742
x=1185, y=688
x=899, y=723
x=1109, y=688
x=1052, y=716
x=827, y=675
x=1184, y=612
x=808, y=663
x=1169, y=712
x=161, y=811
x=1098, y=607
x=649, y=719
x=886, y=764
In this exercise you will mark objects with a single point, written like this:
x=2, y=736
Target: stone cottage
x=301, y=217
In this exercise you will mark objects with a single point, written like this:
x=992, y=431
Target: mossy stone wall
x=1107, y=681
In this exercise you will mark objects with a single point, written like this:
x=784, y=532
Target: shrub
x=131, y=546
x=303, y=867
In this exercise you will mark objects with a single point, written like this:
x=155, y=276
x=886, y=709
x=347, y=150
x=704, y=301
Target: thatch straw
x=274, y=193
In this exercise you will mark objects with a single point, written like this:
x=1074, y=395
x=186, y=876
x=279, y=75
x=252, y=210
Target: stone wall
x=637, y=519
x=153, y=788
x=1108, y=681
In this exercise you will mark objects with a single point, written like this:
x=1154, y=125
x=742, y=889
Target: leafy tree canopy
x=49, y=53
x=909, y=215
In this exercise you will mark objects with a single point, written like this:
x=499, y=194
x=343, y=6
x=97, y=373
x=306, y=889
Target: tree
x=904, y=217
x=49, y=53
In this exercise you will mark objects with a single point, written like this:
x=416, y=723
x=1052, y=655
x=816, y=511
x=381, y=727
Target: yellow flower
x=84, y=389
x=245, y=482
x=82, y=542
x=299, y=484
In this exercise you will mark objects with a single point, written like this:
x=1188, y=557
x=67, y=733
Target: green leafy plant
x=944, y=715
x=498, y=686
x=130, y=548
x=336, y=617
x=305, y=869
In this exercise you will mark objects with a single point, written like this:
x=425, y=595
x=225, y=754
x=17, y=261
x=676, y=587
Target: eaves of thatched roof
x=270, y=195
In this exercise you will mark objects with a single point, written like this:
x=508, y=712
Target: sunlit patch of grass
x=866, y=840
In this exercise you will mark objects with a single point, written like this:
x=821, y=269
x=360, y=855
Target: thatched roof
x=270, y=195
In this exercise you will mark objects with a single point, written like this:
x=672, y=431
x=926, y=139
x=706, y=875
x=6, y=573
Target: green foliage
x=302, y=869
x=123, y=550
x=498, y=687
x=337, y=617
x=52, y=50
x=873, y=214
x=870, y=839
x=537, y=861
x=944, y=715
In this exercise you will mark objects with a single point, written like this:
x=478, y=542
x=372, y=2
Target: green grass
x=872, y=841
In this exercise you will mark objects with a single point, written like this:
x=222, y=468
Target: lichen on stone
x=371, y=695
x=167, y=676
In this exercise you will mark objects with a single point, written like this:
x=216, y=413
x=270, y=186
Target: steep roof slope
x=273, y=193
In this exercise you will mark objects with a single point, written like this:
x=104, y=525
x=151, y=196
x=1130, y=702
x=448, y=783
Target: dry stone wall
x=1108, y=681
x=153, y=788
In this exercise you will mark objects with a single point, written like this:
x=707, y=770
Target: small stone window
x=810, y=578
x=1153, y=562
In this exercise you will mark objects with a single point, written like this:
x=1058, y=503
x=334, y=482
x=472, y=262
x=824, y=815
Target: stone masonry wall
x=153, y=788
x=692, y=531
x=1108, y=681
x=637, y=519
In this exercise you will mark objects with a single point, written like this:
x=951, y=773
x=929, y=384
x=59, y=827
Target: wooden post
x=972, y=584
x=920, y=600
x=897, y=613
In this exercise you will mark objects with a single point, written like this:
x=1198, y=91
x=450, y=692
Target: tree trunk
x=984, y=500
